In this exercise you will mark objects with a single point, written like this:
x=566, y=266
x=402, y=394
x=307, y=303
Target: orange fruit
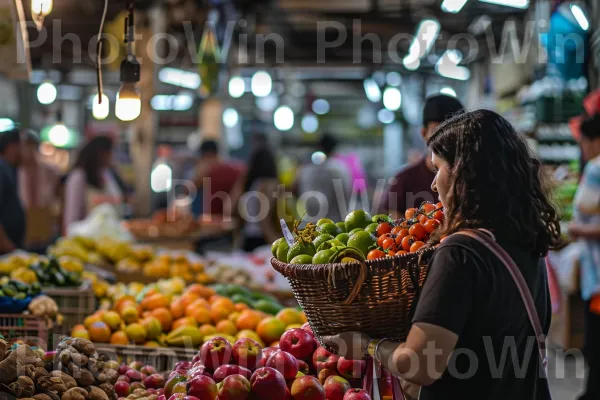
x=224, y=303
x=218, y=313
x=176, y=308
x=185, y=321
x=270, y=329
x=201, y=290
x=201, y=315
x=207, y=329
x=289, y=316
x=233, y=317
x=99, y=332
x=153, y=301
x=81, y=333
x=199, y=303
x=119, y=337
x=248, y=319
x=303, y=317
x=226, y=327
x=164, y=316
x=241, y=307
x=91, y=320
x=188, y=298
x=79, y=327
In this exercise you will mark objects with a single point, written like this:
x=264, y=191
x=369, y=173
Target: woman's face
x=441, y=182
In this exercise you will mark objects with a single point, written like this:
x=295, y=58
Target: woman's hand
x=350, y=345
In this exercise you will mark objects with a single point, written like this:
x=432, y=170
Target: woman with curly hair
x=472, y=336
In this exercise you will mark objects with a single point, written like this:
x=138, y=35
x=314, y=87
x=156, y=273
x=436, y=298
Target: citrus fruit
x=357, y=219
x=270, y=329
x=276, y=245
x=323, y=256
x=342, y=226
x=353, y=231
x=302, y=259
x=282, y=251
x=322, y=238
x=343, y=237
x=332, y=229
x=324, y=221
x=267, y=306
x=372, y=228
x=379, y=218
x=300, y=248
x=361, y=241
x=248, y=319
x=290, y=316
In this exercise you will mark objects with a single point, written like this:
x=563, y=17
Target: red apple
x=268, y=384
x=350, y=369
x=326, y=373
x=122, y=388
x=307, y=388
x=323, y=359
x=177, y=373
x=136, y=385
x=171, y=382
x=235, y=387
x=177, y=396
x=303, y=367
x=356, y=394
x=123, y=368
x=217, y=351
x=336, y=387
x=123, y=378
x=190, y=398
x=230, y=369
x=196, y=359
x=162, y=397
x=180, y=387
x=285, y=363
x=199, y=370
x=247, y=353
x=298, y=343
x=308, y=329
x=266, y=353
x=288, y=394
x=134, y=375
x=160, y=392
x=151, y=391
x=149, y=370
x=155, y=381
x=182, y=365
x=202, y=387
x=137, y=365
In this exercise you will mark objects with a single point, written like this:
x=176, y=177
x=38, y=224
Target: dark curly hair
x=495, y=182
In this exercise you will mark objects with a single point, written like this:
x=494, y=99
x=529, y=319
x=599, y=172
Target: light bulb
x=41, y=7
x=261, y=84
x=129, y=103
x=46, y=93
x=100, y=110
x=283, y=118
x=230, y=117
x=237, y=87
x=59, y=135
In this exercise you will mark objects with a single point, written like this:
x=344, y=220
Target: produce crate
x=161, y=358
x=74, y=304
x=28, y=328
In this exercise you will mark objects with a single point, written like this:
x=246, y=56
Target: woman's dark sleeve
x=447, y=297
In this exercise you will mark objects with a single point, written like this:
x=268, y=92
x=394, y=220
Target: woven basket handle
x=362, y=277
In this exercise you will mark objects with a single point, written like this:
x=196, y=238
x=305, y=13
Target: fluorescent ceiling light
x=283, y=118
x=447, y=90
x=261, y=84
x=411, y=64
x=237, y=87
x=230, y=117
x=453, y=6
x=179, y=77
x=427, y=33
x=180, y=102
x=6, y=124
x=523, y=4
x=454, y=72
x=372, y=90
x=580, y=17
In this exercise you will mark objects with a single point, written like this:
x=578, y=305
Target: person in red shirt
x=412, y=186
x=215, y=180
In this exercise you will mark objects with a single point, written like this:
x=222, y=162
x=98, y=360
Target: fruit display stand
x=161, y=358
x=26, y=328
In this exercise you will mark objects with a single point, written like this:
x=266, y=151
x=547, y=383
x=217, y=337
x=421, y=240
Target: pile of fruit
x=76, y=372
x=360, y=237
x=297, y=369
x=138, y=381
x=45, y=271
x=156, y=318
x=18, y=290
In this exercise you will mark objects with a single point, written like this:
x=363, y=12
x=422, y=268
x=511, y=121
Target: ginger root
x=8, y=369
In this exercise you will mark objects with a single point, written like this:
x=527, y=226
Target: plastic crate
x=74, y=304
x=161, y=358
x=28, y=328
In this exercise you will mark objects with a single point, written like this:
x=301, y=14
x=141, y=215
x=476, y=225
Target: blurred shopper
x=91, y=182
x=258, y=204
x=12, y=215
x=586, y=228
x=471, y=312
x=412, y=186
x=215, y=179
x=326, y=186
x=39, y=186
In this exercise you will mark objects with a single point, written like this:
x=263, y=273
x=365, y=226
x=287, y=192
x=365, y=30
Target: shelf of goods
x=26, y=328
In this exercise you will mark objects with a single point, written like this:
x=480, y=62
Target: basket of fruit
x=365, y=278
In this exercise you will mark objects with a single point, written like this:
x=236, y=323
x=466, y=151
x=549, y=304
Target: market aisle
x=571, y=386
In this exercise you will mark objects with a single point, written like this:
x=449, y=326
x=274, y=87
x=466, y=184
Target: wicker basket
x=375, y=297
x=28, y=328
x=161, y=358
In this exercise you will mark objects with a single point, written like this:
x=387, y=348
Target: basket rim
x=323, y=271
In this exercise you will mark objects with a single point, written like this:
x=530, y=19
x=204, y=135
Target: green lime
x=361, y=241
x=357, y=219
x=267, y=307
x=302, y=259
x=372, y=229
x=300, y=248
x=332, y=229
x=343, y=237
x=322, y=238
x=353, y=231
x=324, y=221
x=276, y=245
x=379, y=218
x=240, y=298
x=342, y=226
x=323, y=256
x=329, y=244
x=282, y=251
x=336, y=242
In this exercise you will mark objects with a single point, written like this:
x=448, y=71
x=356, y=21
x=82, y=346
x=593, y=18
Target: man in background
x=412, y=185
x=12, y=215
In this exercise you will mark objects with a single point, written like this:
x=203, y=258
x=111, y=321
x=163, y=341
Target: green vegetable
x=267, y=307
